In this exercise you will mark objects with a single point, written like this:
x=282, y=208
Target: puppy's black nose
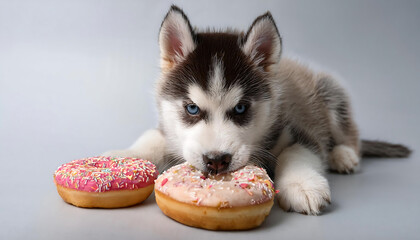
x=217, y=162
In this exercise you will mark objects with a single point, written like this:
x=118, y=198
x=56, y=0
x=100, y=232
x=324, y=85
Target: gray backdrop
x=76, y=79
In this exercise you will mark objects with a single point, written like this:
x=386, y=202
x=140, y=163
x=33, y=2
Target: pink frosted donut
x=105, y=182
x=236, y=200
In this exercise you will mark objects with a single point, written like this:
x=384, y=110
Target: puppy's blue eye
x=193, y=109
x=240, y=108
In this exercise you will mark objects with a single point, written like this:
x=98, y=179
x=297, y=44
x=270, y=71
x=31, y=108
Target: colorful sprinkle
x=164, y=181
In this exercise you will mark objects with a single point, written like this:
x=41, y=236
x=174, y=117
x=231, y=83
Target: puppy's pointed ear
x=262, y=42
x=176, y=38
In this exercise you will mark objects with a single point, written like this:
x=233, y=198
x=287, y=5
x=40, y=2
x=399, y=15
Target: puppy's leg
x=299, y=177
x=149, y=146
x=344, y=155
x=344, y=147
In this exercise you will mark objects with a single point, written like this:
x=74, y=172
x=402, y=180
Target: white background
x=77, y=77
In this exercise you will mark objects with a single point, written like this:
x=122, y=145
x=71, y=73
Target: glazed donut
x=233, y=201
x=105, y=182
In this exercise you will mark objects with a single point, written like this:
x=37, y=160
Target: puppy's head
x=214, y=95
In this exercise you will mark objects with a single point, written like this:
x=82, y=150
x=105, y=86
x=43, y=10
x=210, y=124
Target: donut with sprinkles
x=232, y=201
x=105, y=182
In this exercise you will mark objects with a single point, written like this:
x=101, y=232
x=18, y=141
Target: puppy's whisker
x=264, y=159
x=171, y=160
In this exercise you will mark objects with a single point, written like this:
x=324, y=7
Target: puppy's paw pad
x=308, y=197
x=343, y=159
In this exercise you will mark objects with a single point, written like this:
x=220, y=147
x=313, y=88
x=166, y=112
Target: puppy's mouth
x=219, y=162
x=208, y=172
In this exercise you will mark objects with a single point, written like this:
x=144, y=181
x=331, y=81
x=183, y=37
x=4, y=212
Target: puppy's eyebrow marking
x=197, y=95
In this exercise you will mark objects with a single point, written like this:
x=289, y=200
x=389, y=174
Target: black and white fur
x=297, y=122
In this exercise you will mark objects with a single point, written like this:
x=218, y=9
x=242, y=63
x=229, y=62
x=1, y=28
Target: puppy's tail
x=381, y=149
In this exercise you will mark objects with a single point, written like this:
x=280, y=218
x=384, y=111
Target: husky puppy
x=227, y=99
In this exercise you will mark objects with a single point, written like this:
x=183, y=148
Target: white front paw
x=307, y=196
